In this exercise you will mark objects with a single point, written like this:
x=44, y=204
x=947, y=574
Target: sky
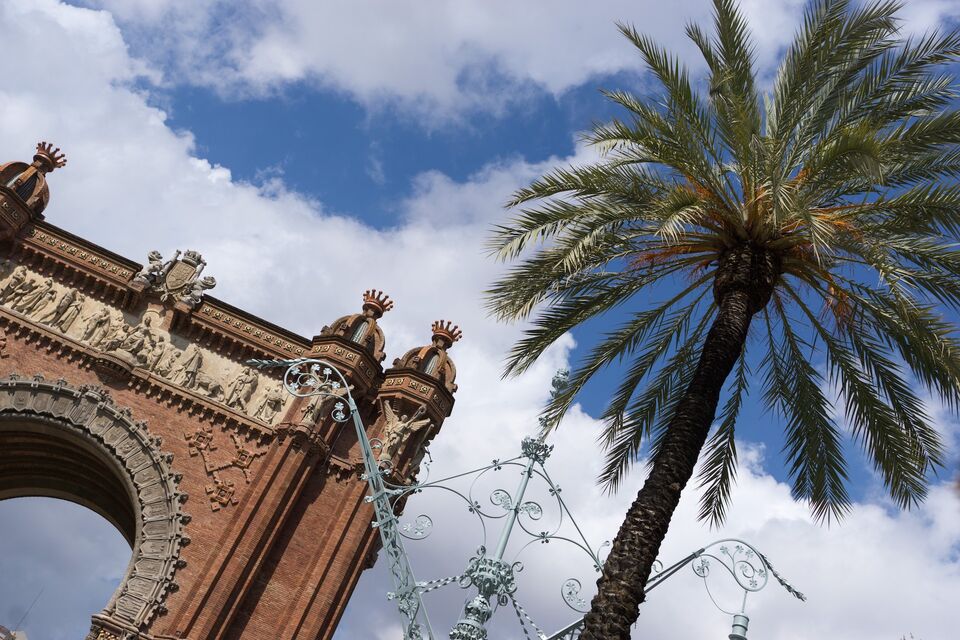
x=353, y=144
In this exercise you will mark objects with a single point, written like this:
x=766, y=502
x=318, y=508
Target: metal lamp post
x=490, y=575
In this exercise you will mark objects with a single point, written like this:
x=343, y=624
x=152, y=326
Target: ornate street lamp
x=489, y=573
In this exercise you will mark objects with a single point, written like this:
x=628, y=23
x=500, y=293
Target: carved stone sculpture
x=71, y=313
x=116, y=337
x=151, y=273
x=36, y=309
x=16, y=279
x=209, y=385
x=190, y=362
x=158, y=353
x=137, y=340
x=271, y=404
x=317, y=407
x=399, y=429
x=26, y=299
x=415, y=462
x=168, y=365
x=242, y=388
x=21, y=290
x=178, y=279
x=52, y=316
x=194, y=291
x=96, y=326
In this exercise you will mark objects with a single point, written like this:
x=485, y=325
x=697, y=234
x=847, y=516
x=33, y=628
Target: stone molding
x=72, y=250
x=111, y=276
x=89, y=412
x=112, y=367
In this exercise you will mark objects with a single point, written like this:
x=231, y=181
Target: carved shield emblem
x=180, y=274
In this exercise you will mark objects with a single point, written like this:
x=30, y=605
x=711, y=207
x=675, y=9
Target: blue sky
x=372, y=144
x=327, y=146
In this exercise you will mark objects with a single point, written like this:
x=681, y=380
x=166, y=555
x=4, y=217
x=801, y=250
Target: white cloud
x=881, y=574
x=922, y=15
x=430, y=56
x=133, y=185
x=436, y=59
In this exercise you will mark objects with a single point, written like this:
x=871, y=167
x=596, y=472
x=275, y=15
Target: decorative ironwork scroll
x=489, y=573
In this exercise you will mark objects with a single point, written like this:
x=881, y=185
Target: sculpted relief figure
x=60, y=308
x=209, y=385
x=168, y=364
x=29, y=295
x=66, y=311
x=71, y=313
x=271, y=404
x=242, y=387
x=416, y=461
x=399, y=430
x=24, y=288
x=153, y=271
x=36, y=309
x=158, y=353
x=317, y=407
x=118, y=334
x=194, y=291
x=137, y=340
x=15, y=280
x=96, y=326
x=190, y=362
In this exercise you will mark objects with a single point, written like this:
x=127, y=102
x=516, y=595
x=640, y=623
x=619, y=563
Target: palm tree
x=807, y=233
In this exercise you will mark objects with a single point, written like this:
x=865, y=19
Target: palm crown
x=839, y=177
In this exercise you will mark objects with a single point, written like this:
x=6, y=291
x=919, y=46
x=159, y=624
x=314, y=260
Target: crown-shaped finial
x=49, y=157
x=376, y=302
x=447, y=332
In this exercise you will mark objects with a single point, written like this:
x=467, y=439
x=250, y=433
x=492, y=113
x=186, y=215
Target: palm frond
x=623, y=441
x=719, y=467
x=814, y=444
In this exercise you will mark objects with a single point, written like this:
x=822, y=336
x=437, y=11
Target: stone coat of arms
x=176, y=279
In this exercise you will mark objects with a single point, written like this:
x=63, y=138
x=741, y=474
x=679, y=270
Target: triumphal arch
x=125, y=387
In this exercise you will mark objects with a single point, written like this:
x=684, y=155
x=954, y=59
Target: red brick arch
x=75, y=444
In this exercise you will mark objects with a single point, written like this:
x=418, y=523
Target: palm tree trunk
x=743, y=285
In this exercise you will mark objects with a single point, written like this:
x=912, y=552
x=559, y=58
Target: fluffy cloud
x=435, y=59
x=429, y=56
x=881, y=574
x=133, y=184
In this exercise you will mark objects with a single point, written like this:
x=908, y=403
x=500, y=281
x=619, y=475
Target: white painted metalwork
x=490, y=574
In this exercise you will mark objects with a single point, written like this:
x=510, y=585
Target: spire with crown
x=362, y=328
x=25, y=185
x=433, y=360
x=48, y=158
x=376, y=303
x=445, y=333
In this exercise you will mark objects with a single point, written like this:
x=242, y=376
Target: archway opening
x=42, y=459
x=70, y=525
x=63, y=559
x=58, y=441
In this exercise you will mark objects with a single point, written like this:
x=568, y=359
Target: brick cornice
x=108, y=275
x=240, y=328
x=418, y=387
x=70, y=250
x=351, y=359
